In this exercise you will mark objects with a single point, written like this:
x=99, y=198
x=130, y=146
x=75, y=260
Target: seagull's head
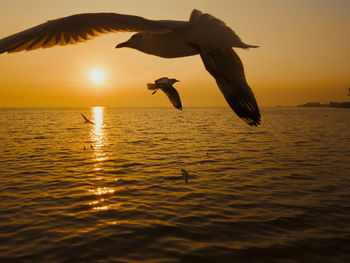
x=172, y=81
x=134, y=42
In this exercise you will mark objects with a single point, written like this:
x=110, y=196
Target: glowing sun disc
x=97, y=76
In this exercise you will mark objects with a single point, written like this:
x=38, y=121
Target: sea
x=114, y=190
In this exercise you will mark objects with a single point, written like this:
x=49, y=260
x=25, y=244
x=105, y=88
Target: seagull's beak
x=177, y=80
x=123, y=44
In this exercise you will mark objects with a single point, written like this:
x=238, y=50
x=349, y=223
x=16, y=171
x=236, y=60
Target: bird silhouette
x=86, y=119
x=166, y=85
x=185, y=175
x=203, y=34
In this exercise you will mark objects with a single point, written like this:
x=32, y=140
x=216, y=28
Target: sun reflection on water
x=97, y=131
x=98, y=137
x=98, y=146
x=102, y=191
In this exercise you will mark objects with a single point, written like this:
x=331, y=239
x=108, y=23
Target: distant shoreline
x=309, y=104
x=330, y=104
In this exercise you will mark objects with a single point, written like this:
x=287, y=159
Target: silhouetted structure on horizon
x=331, y=104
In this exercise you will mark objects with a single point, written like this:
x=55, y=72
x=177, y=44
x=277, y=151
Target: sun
x=97, y=76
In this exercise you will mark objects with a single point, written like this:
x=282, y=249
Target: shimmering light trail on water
x=114, y=191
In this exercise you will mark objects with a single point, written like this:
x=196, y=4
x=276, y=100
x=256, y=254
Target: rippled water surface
x=114, y=192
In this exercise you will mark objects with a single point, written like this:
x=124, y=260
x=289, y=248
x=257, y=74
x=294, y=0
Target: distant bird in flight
x=166, y=85
x=203, y=34
x=86, y=119
x=185, y=175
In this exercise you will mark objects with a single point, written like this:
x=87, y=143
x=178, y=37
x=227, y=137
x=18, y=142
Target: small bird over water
x=185, y=175
x=86, y=119
x=203, y=34
x=166, y=85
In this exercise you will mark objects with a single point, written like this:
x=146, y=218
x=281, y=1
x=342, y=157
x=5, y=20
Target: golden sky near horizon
x=304, y=55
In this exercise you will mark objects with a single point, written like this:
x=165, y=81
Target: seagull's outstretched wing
x=173, y=96
x=86, y=119
x=227, y=69
x=82, y=27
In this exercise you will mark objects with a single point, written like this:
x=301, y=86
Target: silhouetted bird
x=166, y=85
x=203, y=34
x=185, y=175
x=86, y=119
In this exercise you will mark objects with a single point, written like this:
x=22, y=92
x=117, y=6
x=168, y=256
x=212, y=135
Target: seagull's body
x=166, y=85
x=165, y=81
x=203, y=30
x=203, y=34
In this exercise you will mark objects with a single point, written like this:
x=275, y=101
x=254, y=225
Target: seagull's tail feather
x=151, y=86
x=212, y=25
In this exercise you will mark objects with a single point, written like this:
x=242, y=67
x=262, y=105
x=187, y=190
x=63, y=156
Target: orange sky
x=304, y=55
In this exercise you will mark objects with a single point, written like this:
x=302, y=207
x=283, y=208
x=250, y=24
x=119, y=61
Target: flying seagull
x=185, y=175
x=203, y=34
x=86, y=119
x=166, y=85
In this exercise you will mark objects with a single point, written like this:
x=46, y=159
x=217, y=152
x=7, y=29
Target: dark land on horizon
x=330, y=104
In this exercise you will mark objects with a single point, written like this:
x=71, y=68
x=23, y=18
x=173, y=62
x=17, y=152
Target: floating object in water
x=166, y=85
x=91, y=146
x=203, y=34
x=86, y=119
x=185, y=175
